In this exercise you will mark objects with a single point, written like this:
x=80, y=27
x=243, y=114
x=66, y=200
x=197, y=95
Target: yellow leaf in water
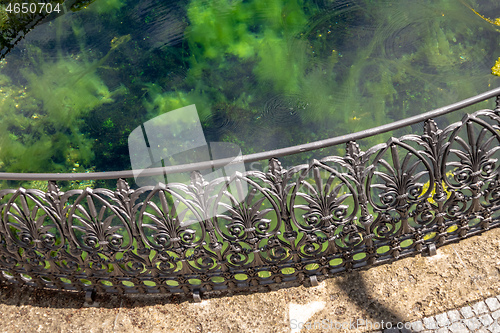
x=495, y=70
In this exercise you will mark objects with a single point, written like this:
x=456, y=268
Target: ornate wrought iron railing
x=406, y=196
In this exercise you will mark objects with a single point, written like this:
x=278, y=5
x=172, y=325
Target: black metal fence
x=406, y=196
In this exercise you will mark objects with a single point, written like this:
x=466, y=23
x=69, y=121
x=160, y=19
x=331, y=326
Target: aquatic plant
x=40, y=121
x=260, y=31
x=66, y=89
x=158, y=102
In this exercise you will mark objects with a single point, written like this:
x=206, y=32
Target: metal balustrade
x=400, y=198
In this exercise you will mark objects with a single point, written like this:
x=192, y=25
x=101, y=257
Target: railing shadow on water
x=258, y=231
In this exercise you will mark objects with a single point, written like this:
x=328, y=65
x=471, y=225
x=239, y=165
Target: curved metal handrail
x=257, y=156
x=251, y=230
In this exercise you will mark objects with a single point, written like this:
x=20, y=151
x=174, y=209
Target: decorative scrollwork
x=396, y=184
x=319, y=204
x=95, y=224
x=249, y=215
x=31, y=222
x=174, y=222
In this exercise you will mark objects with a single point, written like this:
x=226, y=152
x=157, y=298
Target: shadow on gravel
x=355, y=288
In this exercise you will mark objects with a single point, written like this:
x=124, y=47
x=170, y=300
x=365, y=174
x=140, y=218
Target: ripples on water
x=164, y=22
x=216, y=126
x=284, y=110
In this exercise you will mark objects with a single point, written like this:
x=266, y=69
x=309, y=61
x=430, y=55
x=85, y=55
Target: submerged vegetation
x=42, y=123
x=263, y=74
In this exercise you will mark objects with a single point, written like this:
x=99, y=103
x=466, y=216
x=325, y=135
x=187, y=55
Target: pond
x=261, y=74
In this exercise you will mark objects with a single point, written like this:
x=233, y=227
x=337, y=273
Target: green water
x=263, y=74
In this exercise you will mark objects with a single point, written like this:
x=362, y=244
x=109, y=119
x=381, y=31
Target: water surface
x=263, y=74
